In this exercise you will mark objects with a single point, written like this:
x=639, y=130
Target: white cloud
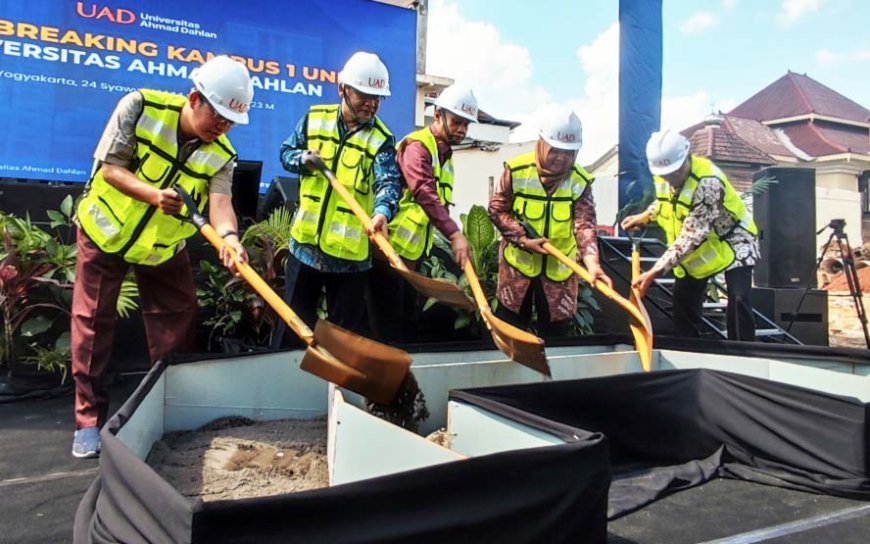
x=501, y=74
x=475, y=53
x=680, y=112
x=699, y=22
x=792, y=10
x=826, y=57
x=598, y=107
x=729, y=4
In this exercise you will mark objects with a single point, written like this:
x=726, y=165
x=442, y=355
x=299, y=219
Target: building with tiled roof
x=793, y=122
x=823, y=130
x=716, y=139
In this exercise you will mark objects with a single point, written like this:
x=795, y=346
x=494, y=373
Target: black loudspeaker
x=786, y=217
x=283, y=191
x=246, y=189
x=810, y=324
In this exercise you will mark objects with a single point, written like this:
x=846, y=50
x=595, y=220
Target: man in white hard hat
x=329, y=247
x=549, y=192
x=709, y=230
x=425, y=158
x=131, y=216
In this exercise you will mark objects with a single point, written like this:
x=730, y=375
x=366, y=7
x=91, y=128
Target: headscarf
x=549, y=178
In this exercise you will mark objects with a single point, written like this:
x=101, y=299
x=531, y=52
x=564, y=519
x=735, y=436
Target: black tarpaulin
x=671, y=430
x=548, y=494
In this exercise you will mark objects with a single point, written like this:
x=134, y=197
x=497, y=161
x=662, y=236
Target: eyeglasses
x=364, y=97
x=218, y=118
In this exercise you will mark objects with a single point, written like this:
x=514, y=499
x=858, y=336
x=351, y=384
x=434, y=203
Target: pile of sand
x=234, y=458
x=839, y=282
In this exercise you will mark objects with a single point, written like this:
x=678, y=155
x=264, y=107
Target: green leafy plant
x=236, y=310
x=759, y=187
x=484, y=241
x=37, y=272
x=31, y=298
x=54, y=359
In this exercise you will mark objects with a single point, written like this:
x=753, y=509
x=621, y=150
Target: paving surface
x=41, y=483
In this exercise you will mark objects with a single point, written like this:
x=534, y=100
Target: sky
x=520, y=55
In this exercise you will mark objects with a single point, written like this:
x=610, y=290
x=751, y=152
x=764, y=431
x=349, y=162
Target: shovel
x=639, y=322
x=519, y=345
x=636, y=328
x=441, y=290
x=359, y=364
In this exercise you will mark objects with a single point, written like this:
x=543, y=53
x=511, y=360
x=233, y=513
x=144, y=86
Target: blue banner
x=640, y=97
x=64, y=65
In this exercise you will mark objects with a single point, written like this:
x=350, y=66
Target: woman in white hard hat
x=425, y=158
x=709, y=230
x=128, y=217
x=329, y=247
x=547, y=191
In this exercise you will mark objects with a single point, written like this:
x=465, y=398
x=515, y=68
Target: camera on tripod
x=837, y=225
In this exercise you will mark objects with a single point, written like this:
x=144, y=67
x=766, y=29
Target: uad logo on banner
x=119, y=16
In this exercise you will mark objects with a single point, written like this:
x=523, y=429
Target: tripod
x=838, y=234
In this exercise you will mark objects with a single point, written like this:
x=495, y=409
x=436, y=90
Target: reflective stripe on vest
x=323, y=219
x=411, y=230
x=133, y=229
x=552, y=216
x=714, y=254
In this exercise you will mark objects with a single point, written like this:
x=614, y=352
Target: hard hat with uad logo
x=366, y=73
x=561, y=128
x=460, y=100
x=666, y=151
x=226, y=84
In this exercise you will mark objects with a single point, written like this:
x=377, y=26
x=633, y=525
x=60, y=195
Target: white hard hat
x=666, y=151
x=366, y=73
x=226, y=84
x=460, y=100
x=561, y=128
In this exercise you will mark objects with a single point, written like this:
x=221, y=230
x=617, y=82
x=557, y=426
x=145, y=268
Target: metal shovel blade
x=375, y=371
x=378, y=369
x=441, y=290
x=521, y=346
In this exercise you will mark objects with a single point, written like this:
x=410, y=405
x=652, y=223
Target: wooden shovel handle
x=476, y=288
x=382, y=243
x=602, y=287
x=249, y=274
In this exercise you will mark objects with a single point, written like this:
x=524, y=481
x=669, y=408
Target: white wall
x=838, y=204
x=475, y=167
x=476, y=171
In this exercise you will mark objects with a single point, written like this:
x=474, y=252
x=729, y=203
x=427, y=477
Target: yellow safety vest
x=136, y=230
x=411, y=229
x=714, y=254
x=552, y=216
x=323, y=218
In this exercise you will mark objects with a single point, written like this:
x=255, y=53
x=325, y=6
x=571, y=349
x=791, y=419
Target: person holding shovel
x=708, y=229
x=131, y=216
x=329, y=247
x=547, y=191
x=425, y=158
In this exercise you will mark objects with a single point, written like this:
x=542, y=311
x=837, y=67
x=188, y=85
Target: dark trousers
x=689, y=296
x=167, y=297
x=535, y=296
x=393, y=309
x=346, y=295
